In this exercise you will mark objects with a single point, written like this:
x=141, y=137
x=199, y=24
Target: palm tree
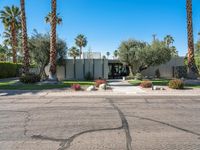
x=168, y=40
x=48, y=18
x=10, y=17
x=26, y=61
x=192, y=69
x=74, y=52
x=53, y=52
x=108, y=54
x=116, y=53
x=81, y=41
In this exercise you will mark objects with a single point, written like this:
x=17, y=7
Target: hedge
x=9, y=70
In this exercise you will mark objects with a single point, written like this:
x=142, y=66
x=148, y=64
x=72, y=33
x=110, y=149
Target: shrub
x=30, y=78
x=157, y=73
x=99, y=82
x=88, y=76
x=9, y=70
x=138, y=76
x=146, y=84
x=176, y=84
x=76, y=87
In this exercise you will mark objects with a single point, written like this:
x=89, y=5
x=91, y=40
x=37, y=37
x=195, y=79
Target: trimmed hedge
x=9, y=70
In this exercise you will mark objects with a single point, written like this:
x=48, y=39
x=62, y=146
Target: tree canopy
x=140, y=55
x=39, y=45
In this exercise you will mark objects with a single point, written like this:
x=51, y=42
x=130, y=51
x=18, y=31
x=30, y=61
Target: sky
x=106, y=23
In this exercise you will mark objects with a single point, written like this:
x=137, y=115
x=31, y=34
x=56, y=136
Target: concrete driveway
x=35, y=122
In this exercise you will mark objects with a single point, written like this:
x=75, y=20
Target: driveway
x=123, y=87
x=42, y=122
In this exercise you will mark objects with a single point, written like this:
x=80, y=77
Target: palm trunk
x=53, y=52
x=80, y=52
x=26, y=61
x=192, y=69
x=14, y=43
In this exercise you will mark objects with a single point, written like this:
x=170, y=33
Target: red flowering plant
x=76, y=87
x=99, y=82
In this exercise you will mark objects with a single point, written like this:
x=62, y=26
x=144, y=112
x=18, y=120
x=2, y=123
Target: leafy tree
x=2, y=53
x=155, y=54
x=10, y=17
x=81, y=41
x=140, y=55
x=74, y=53
x=129, y=52
x=39, y=45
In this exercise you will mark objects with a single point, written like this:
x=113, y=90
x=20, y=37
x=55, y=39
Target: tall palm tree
x=53, y=52
x=168, y=40
x=10, y=17
x=116, y=53
x=81, y=41
x=107, y=54
x=192, y=69
x=74, y=52
x=26, y=61
x=48, y=18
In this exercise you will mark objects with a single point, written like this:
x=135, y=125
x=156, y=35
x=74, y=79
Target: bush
x=138, y=76
x=9, y=70
x=99, y=82
x=76, y=87
x=30, y=78
x=176, y=84
x=88, y=76
x=157, y=73
x=146, y=84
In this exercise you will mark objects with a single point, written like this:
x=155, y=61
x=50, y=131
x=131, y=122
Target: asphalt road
x=35, y=122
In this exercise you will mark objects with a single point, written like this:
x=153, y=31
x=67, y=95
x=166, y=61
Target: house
x=110, y=69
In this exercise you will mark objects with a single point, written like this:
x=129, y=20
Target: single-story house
x=110, y=69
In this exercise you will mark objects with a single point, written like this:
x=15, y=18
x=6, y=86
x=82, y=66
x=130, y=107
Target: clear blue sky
x=108, y=22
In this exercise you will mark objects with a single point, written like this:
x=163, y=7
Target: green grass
x=160, y=82
x=12, y=85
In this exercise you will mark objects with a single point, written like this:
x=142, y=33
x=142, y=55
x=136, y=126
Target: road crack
x=65, y=143
x=125, y=125
x=167, y=124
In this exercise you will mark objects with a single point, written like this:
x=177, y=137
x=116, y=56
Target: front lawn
x=160, y=82
x=16, y=85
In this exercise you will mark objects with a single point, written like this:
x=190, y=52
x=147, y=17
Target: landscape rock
x=158, y=88
x=103, y=87
x=91, y=88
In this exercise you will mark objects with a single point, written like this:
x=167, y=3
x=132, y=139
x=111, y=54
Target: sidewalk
x=123, y=87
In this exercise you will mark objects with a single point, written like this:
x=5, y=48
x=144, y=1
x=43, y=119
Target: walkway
x=123, y=87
